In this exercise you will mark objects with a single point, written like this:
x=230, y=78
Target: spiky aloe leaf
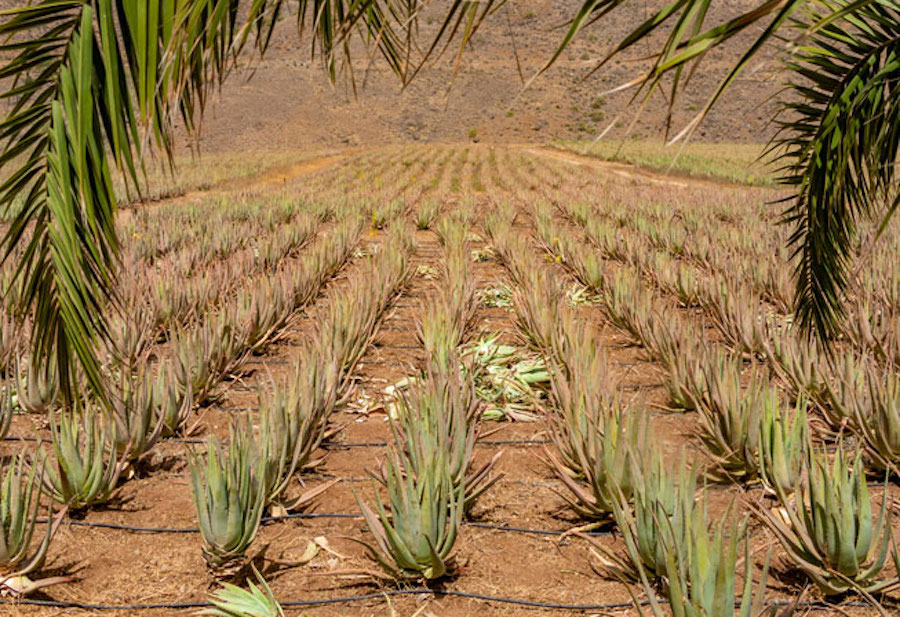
x=605, y=450
x=416, y=538
x=20, y=501
x=232, y=601
x=229, y=497
x=85, y=471
x=657, y=515
x=7, y=408
x=783, y=442
x=829, y=532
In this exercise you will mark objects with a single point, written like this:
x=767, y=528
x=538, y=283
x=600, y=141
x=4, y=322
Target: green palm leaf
x=840, y=144
x=95, y=85
x=93, y=81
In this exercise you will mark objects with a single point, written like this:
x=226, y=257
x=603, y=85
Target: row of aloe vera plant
x=167, y=281
x=204, y=353
x=429, y=474
x=824, y=521
x=854, y=393
x=233, y=484
x=603, y=456
x=848, y=391
x=94, y=446
x=726, y=240
x=851, y=390
x=181, y=261
x=751, y=436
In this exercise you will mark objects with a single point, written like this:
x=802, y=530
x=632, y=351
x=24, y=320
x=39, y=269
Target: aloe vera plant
x=348, y=329
x=427, y=213
x=828, y=529
x=38, y=391
x=604, y=448
x=85, y=470
x=451, y=228
x=262, y=311
x=173, y=400
x=7, y=409
x=131, y=334
x=700, y=570
x=579, y=393
x=737, y=315
x=9, y=339
x=437, y=417
x=801, y=365
x=783, y=443
x=232, y=601
x=658, y=515
x=205, y=354
x=686, y=375
x=293, y=422
x=590, y=268
x=439, y=332
x=20, y=497
x=387, y=212
x=415, y=538
x=136, y=425
x=729, y=416
x=229, y=497
x=538, y=303
x=845, y=392
x=628, y=304
x=876, y=418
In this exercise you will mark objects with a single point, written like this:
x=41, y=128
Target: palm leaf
x=95, y=84
x=90, y=78
x=686, y=38
x=839, y=146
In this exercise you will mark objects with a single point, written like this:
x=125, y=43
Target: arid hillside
x=290, y=104
x=285, y=102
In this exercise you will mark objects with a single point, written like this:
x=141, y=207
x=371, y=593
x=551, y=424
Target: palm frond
x=382, y=25
x=92, y=83
x=96, y=84
x=461, y=21
x=839, y=145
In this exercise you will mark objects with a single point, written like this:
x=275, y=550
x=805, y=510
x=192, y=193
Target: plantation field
x=588, y=328
x=728, y=162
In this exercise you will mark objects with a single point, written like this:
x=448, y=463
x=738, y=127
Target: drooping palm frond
x=94, y=85
x=840, y=140
x=380, y=25
x=462, y=19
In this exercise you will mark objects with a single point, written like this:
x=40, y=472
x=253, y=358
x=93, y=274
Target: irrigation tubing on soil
x=359, y=444
x=312, y=515
x=395, y=593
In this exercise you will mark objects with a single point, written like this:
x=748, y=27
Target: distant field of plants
x=728, y=162
x=458, y=380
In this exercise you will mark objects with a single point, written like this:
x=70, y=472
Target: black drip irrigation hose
x=311, y=515
x=389, y=593
x=483, y=442
x=336, y=444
